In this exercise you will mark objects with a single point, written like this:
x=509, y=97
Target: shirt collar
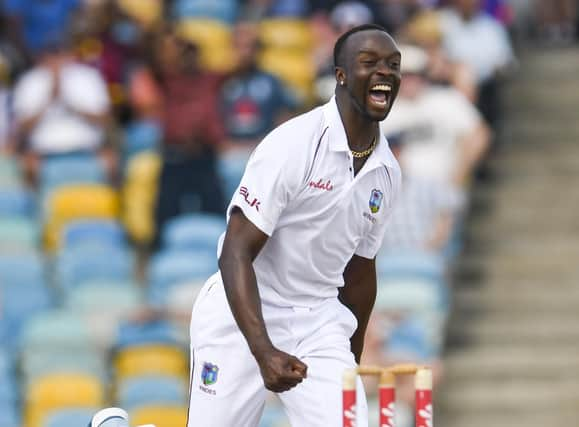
x=339, y=142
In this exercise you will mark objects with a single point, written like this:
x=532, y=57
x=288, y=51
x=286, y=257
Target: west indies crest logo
x=376, y=197
x=209, y=373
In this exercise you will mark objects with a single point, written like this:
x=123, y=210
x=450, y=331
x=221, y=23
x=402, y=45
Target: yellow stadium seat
x=139, y=196
x=160, y=415
x=286, y=33
x=294, y=68
x=144, y=168
x=73, y=202
x=56, y=391
x=147, y=12
x=151, y=359
x=214, y=40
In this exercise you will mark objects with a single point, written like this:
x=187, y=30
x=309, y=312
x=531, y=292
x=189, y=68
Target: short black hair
x=342, y=39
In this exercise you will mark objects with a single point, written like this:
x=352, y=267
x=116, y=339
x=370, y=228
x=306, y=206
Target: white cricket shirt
x=299, y=188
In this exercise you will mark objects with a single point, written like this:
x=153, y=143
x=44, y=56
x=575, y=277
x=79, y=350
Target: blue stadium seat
x=141, y=135
x=8, y=382
x=19, y=234
x=220, y=10
x=40, y=362
x=10, y=174
x=9, y=415
x=409, y=341
x=24, y=293
x=21, y=268
x=153, y=332
x=74, y=168
x=231, y=168
x=193, y=231
x=59, y=328
x=94, y=296
x=410, y=265
x=17, y=202
x=69, y=417
x=76, y=266
x=171, y=267
x=151, y=390
x=93, y=232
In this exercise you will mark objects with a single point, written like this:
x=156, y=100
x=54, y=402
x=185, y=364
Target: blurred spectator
x=444, y=136
x=34, y=23
x=253, y=101
x=475, y=38
x=424, y=215
x=425, y=30
x=112, y=37
x=343, y=16
x=61, y=106
x=557, y=19
x=192, y=130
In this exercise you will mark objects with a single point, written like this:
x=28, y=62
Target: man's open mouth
x=380, y=95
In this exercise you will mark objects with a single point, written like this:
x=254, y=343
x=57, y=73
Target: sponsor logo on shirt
x=208, y=377
x=369, y=217
x=322, y=185
x=253, y=203
x=376, y=197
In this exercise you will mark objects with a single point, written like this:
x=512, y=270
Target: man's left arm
x=359, y=295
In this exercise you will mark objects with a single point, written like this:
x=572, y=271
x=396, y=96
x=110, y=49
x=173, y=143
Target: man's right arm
x=243, y=242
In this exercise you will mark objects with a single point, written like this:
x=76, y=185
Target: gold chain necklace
x=362, y=154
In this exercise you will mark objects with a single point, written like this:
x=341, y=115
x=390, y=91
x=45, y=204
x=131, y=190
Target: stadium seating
x=66, y=169
x=56, y=328
x=69, y=417
x=214, y=40
x=9, y=416
x=197, y=231
x=75, y=266
x=220, y=10
x=142, y=135
x=146, y=12
x=151, y=359
x=138, y=391
x=17, y=202
x=10, y=174
x=160, y=415
x=18, y=235
x=59, y=391
x=24, y=293
x=286, y=33
x=159, y=331
x=73, y=202
x=42, y=362
x=93, y=232
x=294, y=68
x=139, y=195
x=173, y=267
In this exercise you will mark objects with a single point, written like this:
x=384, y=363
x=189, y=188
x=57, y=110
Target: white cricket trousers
x=226, y=386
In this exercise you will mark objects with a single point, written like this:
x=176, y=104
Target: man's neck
x=360, y=130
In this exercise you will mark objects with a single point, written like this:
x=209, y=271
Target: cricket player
x=288, y=309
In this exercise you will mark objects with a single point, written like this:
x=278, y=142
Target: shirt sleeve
x=272, y=176
x=30, y=95
x=372, y=242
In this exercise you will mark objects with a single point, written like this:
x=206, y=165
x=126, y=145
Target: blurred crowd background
x=125, y=126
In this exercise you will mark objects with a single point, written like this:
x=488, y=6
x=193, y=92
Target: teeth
x=385, y=88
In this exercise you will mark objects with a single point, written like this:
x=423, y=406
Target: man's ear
x=340, y=76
